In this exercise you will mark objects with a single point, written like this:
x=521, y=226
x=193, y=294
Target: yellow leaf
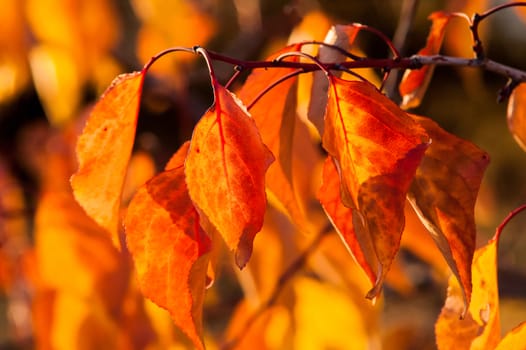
x=326, y=318
x=515, y=339
x=57, y=80
x=480, y=329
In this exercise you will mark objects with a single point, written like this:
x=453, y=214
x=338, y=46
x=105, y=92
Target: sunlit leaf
x=443, y=194
x=515, y=339
x=81, y=324
x=480, y=328
x=170, y=249
x=57, y=80
x=377, y=149
x=70, y=50
x=361, y=247
x=68, y=241
x=414, y=82
x=326, y=318
x=331, y=262
x=517, y=115
x=225, y=172
x=104, y=150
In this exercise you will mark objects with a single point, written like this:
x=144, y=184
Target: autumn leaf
x=415, y=82
x=480, y=328
x=225, y=172
x=443, y=194
x=377, y=149
x=326, y=317
x=169, y=248
x=104, y=150
x=515, y=339
x=71, y=51
x=517, y=115
x=361, y=247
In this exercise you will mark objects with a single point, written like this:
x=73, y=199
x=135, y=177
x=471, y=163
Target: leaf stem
x=164, y=53
x=506, y=220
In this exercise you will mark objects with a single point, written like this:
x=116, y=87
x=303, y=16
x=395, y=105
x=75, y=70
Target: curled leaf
x=169, y=248
x=104, y=150
x=415, y=82
x=225, y=172
x=443, y=194
x=517, y=115
x=377, y=149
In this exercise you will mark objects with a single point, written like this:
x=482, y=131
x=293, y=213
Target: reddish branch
x=514, y=75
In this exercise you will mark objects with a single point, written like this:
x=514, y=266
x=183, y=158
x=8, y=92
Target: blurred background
x=58, y=56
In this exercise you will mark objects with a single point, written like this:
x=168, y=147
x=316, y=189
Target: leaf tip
x=243, y=251
x=378, y=285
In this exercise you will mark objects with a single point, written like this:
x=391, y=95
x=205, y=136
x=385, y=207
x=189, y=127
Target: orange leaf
x=104, y=150
x=275, y=117
x=377, y=149
x=170, y=249
x=517, y=115
x=443, y=194
x=225, y=172
x=480, y=329
x=361, y=247
x=414, y=83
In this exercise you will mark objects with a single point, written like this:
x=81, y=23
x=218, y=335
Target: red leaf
x=169, y=248
x=342, y=217
x=225, y=172
x=104, y=150
x=443, y=194
x=414, y=83
x=377, y=149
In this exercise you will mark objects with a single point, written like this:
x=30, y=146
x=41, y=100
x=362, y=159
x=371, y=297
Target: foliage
x=303, y=172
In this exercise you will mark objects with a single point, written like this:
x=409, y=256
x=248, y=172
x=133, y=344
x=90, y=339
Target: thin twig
x=412, y=62
x=478, y=18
